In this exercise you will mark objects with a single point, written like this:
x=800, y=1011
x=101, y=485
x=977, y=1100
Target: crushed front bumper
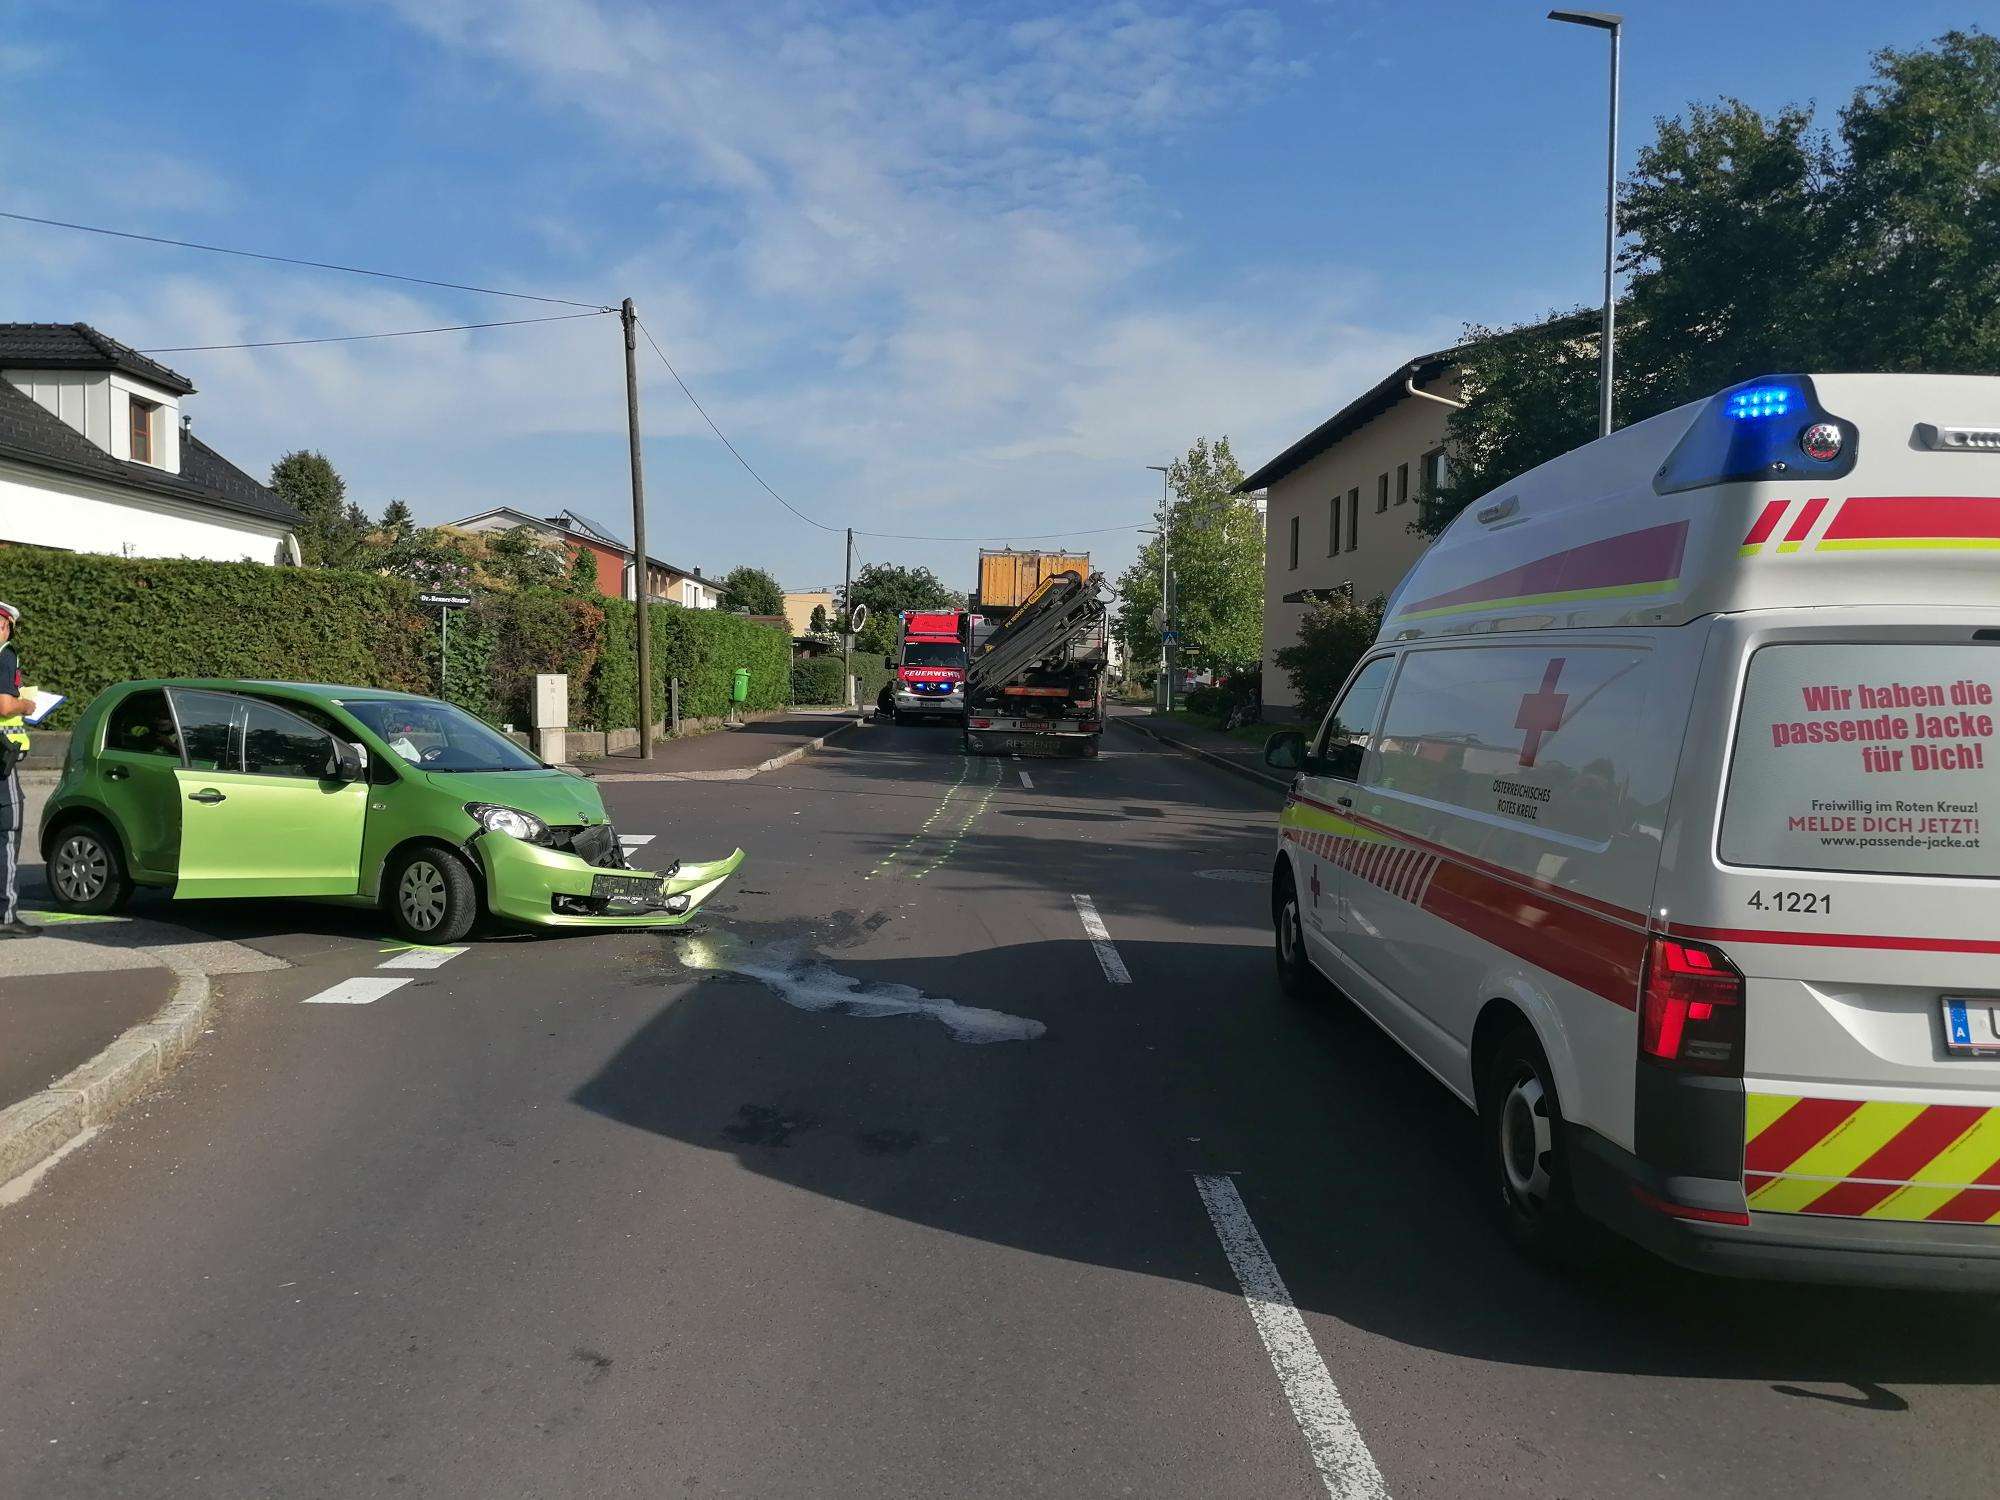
x=553, y=888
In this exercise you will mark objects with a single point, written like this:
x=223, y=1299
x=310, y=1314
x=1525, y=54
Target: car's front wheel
x=87, y=870
x=431, y=895
x=1296, y=975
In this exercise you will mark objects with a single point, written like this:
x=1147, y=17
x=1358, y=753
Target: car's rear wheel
x=431, y=895
x=87, y=870
x=1527, y=1155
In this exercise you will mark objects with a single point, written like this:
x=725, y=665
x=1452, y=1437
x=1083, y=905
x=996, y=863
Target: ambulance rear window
x=1878, y=759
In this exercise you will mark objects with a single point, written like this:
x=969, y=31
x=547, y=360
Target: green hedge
x=702, y=647
x=817, y=680
x=90, y=621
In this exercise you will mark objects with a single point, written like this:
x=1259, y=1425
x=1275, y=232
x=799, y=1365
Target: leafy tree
x=333, y=531
x=819, y=624
x=430, y=557
x=396, y=518
x=1332, y=638
x=582, y=579
x=1216, y=554
x=753, y=590
x=520, y=559
x=888, y=589
x=1757, y=245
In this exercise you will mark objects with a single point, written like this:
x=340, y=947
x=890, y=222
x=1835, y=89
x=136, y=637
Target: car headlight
x=508, y=820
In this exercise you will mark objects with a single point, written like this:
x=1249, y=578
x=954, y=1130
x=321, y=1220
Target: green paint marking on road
x=951, y=845
x=69, y=916
x=923, y=828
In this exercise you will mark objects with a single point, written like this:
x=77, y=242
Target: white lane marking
x=1100, y=940
x=365, y=990
x=1337, y=1449
x=420, y=958
x=634, y=840
x=1026, y=780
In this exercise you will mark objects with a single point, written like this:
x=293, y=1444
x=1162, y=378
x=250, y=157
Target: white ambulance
x=1662, y=824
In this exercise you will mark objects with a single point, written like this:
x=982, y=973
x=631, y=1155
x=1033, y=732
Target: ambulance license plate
x=1971, y=1026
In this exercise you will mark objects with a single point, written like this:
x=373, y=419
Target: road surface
x=935, y=1161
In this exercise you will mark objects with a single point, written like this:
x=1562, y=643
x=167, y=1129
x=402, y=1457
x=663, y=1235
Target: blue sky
x=958, y=270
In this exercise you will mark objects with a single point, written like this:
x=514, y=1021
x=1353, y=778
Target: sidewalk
x=1220, y=750
x=729, y=754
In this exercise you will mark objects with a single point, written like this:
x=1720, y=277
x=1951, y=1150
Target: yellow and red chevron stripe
x=1878, y=523
x=1872, y=1159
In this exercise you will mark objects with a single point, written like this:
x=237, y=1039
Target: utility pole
x=1614, y=24
x=847, y=609
x=1166, y=614
x=641, y=582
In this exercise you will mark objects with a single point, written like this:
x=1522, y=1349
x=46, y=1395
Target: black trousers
x=14, y=812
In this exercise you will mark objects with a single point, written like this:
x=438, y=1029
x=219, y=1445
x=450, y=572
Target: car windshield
x=933, y=654
x=439, y=737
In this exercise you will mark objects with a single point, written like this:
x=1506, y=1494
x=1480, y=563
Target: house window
x=1402, y=483
x=1382, y=493
x=1333, y=525
x=1295, y=542
x=1353, y=519
x=1434, y=472
x=142, y=430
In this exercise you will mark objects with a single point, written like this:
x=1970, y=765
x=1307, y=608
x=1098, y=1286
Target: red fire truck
x=930, y=666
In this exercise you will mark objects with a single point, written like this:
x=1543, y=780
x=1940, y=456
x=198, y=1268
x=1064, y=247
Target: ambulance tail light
x=1691, y=1008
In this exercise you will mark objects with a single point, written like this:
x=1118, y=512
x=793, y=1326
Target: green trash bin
x=740, y=690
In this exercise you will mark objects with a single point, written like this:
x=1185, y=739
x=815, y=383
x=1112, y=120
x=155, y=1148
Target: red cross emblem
x=1541, y=713
x=1315, y=887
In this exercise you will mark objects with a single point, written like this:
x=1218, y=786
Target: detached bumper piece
x=555, y=888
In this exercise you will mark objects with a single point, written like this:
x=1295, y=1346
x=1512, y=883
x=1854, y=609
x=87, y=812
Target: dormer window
x=144, y=415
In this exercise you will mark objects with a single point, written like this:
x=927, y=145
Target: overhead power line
x=292, y=260
x=887, y=536
x=350, y=338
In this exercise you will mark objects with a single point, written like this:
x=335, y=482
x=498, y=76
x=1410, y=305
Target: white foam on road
x=1100, y=941
x=1336, y=1445
x=365, y=990
x=810, y=984
x=420, y=958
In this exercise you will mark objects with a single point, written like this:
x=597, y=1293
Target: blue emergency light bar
x=1761, y=401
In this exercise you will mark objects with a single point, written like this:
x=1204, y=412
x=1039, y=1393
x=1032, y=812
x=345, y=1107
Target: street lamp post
x=1604, y=20
x=1166, y=617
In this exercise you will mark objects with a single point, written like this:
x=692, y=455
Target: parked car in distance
x=212, y=788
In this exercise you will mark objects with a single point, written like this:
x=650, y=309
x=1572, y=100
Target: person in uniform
x=13, y=745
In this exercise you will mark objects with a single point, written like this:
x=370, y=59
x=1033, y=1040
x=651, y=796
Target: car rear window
x=1878, y=759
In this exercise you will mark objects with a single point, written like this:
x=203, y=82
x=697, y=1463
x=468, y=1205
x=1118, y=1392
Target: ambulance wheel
x=1296, y=975
x=1527, y=1156
x=431, y=895
x=86, y=869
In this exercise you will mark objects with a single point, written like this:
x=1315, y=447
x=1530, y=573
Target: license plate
x=1971, y=1026
x=625, y=887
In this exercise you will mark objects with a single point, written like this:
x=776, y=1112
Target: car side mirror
x=1285, y=751
x=350, y=761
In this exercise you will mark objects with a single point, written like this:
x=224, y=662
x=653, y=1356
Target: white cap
x=12, y=612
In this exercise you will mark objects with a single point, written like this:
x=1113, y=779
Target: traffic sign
x=858, y=619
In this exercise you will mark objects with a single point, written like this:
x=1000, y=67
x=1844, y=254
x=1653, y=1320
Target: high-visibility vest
x=15, y=729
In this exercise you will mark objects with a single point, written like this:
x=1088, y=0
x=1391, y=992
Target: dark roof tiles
x=78, y=346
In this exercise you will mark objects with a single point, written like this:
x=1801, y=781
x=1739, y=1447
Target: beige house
x=1340, y=502
x=799, y=607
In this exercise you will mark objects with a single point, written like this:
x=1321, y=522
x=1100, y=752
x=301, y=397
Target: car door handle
x=207, y=794
x=115, y=773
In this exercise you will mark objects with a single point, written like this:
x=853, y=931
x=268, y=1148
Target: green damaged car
x=214, y=788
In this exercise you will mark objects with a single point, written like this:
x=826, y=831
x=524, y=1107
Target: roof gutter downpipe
x=1410, y=386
